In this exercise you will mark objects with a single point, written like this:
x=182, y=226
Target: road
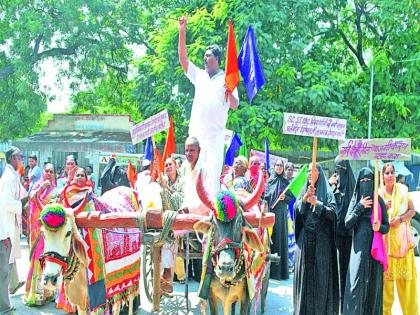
x=279, y=299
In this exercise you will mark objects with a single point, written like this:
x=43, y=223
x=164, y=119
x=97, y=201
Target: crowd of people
x=346, y=257
x=345, y=261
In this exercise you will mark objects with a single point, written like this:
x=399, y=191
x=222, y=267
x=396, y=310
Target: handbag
x=401, y=241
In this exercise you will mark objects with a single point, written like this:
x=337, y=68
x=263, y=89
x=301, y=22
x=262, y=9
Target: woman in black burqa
x=315, y=287
x=364, y=282
x=280, y=236
x=342, y=183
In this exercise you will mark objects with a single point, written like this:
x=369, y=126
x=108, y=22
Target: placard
x=375, y=149
x=314, y=126
x=261, y=156
x=150, y=126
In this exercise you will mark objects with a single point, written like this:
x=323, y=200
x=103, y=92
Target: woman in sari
x=364, y=282
x=315, y=284
x=401, y=271
x=43, y=193
x=277, y=203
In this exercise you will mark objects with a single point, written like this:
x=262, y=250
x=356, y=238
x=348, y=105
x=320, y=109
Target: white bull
x=65, y=250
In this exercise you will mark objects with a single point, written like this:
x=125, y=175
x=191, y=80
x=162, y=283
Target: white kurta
x=11, y=193
x=209, y=115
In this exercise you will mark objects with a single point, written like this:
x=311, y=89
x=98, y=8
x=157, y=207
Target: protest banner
x=261, y=156
x=375, y=149
x=150, y=126
x=316, y=127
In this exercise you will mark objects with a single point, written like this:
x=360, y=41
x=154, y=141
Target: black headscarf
x=323, y=193
x=343, y=191
x=275, y=185
x=363, y=189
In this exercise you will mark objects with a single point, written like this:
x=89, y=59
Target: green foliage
x=317, y=57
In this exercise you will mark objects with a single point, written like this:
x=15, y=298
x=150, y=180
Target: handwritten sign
x=375, y=149
x=150, y=126
x=314, y=126
x=261, y=156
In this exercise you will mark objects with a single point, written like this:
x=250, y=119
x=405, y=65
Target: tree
x=90, y=38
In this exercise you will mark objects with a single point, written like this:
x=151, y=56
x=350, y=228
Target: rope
x=168, y=219
x=141, y=221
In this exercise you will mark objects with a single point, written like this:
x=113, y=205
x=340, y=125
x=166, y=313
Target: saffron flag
x=158, y=165
x=243, y=150
x=131, y=174
x=250, y=66
x=231, y=69
x=234, y=146
x=267, y=156
x=148, y=150
x=170, y=141
x=299, y=181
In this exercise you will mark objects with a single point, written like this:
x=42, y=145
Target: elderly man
x=11, y=193
x=210, y=106
x=190, y=170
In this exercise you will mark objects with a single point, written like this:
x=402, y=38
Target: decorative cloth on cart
x=121, y=246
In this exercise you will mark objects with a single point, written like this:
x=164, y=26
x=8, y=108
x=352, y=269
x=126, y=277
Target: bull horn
x=202, y=192
x=256, y=194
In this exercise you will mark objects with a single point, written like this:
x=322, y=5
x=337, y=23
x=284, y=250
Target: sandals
x=166, y=286
x=19, y=285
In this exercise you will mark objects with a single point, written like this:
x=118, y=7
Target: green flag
x=299, y=181
x=243, y=150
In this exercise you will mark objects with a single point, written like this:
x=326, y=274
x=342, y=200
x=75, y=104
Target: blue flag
x=148, y=150
x=234, y=146
x=267, y=156
x=250, y=66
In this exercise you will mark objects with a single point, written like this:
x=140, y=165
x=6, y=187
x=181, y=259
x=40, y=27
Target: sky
x=49, y=84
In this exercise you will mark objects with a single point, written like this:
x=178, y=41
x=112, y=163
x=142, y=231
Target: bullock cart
x=152, y=224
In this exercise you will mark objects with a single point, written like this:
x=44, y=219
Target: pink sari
x=378, y=250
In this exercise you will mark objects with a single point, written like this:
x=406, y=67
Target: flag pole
x=278, y=199
x=313, y=166
x=375, y=195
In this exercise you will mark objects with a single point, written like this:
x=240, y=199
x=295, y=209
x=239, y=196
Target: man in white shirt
x=35, y=172
x=189, y=171
x=210, y=107
x=11, y=192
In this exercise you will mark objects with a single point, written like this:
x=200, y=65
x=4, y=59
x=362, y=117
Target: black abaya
x=343, y=193
x=280, y=236
x=315, y=287
x=364, y=282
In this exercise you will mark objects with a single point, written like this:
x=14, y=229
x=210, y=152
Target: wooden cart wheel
x=147, y=270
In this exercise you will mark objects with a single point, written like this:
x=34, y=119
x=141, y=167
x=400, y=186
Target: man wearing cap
x=11, y=192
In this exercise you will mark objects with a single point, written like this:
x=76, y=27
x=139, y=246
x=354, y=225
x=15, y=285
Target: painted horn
x=202, y=193
x=256, y=194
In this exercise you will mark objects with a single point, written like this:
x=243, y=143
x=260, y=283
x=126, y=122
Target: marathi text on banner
x=150, y=126
x=375, y=149
x=314, y=126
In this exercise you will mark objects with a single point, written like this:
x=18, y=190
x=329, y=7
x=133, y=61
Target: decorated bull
x=100, y=268
x=234, y=262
